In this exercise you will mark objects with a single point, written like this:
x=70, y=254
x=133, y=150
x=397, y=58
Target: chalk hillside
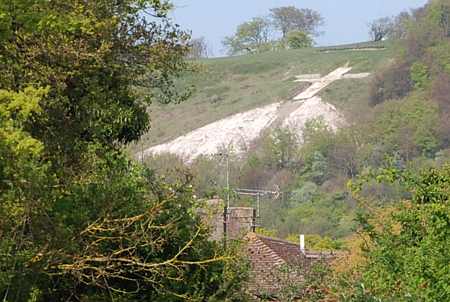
x=235, y=99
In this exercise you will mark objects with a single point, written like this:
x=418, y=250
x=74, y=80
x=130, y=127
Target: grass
x=225, y=86
x=361, y=46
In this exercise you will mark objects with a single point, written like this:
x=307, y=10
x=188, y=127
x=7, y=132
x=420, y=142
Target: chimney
x=302, y=243
x=239, y=221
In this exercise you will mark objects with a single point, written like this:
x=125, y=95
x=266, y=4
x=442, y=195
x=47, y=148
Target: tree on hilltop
x=257, y=34
x=250, y=36
x=381, y=28
x=290, y=18
x=400, y=26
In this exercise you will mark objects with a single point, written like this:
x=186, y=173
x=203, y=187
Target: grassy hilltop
x=226, y=86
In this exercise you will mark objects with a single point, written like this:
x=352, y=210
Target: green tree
x=78, y=50
x=81, y=222
x=290, y=18
x=408, y=128
x=281, y=146
x=250, y=36
x=24, y=197
x=407, y=248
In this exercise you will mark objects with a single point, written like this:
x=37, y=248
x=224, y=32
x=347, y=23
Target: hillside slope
x=227, y=86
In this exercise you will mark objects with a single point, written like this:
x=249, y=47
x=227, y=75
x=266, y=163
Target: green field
x=225, y=86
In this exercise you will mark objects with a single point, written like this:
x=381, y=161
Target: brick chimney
x=232, y=223
x=240, y=222
x=212, y=216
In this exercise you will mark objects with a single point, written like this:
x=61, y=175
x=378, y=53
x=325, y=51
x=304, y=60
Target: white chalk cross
x=319, y=83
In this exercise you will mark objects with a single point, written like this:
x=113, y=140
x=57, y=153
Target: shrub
x=439, y=57
x=440, y=92
x=298, y=39
x=406, y=246
x=305, y=193
x=419, y=75
x=391, y=83
x=407, y=128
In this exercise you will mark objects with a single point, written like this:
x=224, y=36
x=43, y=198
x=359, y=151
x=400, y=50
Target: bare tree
x=198, y=48
x=400, y=26
x=380, y=29
x=290, y=18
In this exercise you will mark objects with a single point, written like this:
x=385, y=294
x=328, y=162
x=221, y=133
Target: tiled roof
x=267, y=255
x=286, y=250
x=290, y=252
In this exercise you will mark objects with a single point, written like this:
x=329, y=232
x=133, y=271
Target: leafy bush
x=439, y=57
x=419, y=75
x=298, y=39
x=406, y=249
x=407, y=128
x=440, y=92
x=391, y=83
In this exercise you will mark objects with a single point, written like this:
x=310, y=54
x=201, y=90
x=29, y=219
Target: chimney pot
x=302, y=243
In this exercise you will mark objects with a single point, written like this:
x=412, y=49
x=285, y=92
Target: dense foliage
x=80, y=221
x=298, y=39
x=406, y=248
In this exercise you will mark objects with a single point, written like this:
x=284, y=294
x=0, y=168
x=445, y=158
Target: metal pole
x=254, y=221
x=225, y=229
x=228, y=180
x=258, y=202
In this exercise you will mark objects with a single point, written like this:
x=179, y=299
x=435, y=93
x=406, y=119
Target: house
x=277, y=265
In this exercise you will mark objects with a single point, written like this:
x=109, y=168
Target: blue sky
x=345, y=20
